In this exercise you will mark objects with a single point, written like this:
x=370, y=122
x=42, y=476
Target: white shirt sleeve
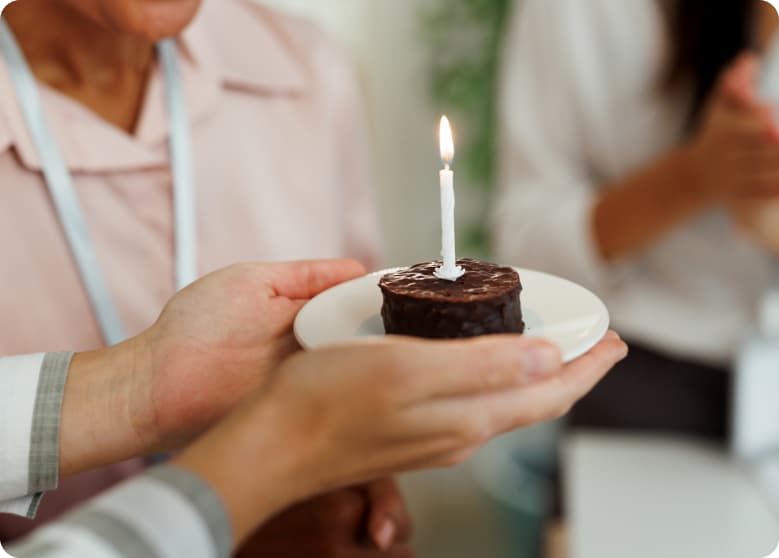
x=546, y=193
x=31, y=392
x=165, y=513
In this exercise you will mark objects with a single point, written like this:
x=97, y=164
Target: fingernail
x=539, y=360
x=384, y=536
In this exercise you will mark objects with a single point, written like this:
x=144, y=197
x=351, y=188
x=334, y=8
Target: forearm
x=62, y=414
x=256, y=472
x=640, y=209
x=98, y=424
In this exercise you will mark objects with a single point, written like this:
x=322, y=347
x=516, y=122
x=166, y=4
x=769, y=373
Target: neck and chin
x=99, y=52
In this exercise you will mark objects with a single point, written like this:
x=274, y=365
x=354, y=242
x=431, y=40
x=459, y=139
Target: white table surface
x=647, y=497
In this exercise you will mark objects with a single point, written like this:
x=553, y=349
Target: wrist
x=97, y=425
x=635, y=212
x=692, y=165
x=255, y=467
x=141, y=413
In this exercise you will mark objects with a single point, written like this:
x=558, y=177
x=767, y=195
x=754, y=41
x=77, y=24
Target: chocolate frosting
x=484, y=300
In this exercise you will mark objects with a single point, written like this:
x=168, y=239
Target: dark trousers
x=652, y=392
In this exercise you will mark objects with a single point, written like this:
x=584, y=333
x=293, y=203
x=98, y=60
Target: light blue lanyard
x=64, y=196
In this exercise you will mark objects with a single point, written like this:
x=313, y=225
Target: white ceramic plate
x=553, y=308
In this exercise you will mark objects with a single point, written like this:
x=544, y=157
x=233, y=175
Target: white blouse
x=583, y=106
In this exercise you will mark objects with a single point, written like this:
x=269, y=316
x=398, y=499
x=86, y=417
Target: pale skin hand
x=213, y=344
x=117, y=406
x=421, y=404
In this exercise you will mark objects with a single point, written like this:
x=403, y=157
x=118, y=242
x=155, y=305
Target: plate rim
x=602, y=327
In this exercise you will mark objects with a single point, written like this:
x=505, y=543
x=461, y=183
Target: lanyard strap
x=64, y=196
x=182, y=165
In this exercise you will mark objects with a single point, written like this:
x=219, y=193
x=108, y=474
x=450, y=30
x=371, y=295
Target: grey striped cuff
x=35, y=503
x=203, y=498
x=44, y=439
x=110, y=519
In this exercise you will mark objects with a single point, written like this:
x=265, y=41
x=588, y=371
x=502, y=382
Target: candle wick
x=446, y=165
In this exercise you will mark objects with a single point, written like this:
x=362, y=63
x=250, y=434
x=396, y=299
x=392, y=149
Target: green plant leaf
x=465, y=37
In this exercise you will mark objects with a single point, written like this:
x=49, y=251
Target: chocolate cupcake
x=485, y=300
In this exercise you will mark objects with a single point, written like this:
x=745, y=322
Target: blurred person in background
x=638, y=160
x=280, y=165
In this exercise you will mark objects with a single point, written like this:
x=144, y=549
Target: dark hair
x=706, y=35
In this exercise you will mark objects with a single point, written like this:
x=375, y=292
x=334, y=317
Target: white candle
x=449, y=270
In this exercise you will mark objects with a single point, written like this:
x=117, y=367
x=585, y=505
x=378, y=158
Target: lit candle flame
x=447, y=142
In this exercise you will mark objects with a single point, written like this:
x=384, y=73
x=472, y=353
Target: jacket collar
x=234, y=45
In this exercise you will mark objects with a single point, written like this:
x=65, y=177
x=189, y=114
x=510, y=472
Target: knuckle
x=487, y=365
x=339, y=508
x=492, y=373
x=393, y=502
x=347, y=507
